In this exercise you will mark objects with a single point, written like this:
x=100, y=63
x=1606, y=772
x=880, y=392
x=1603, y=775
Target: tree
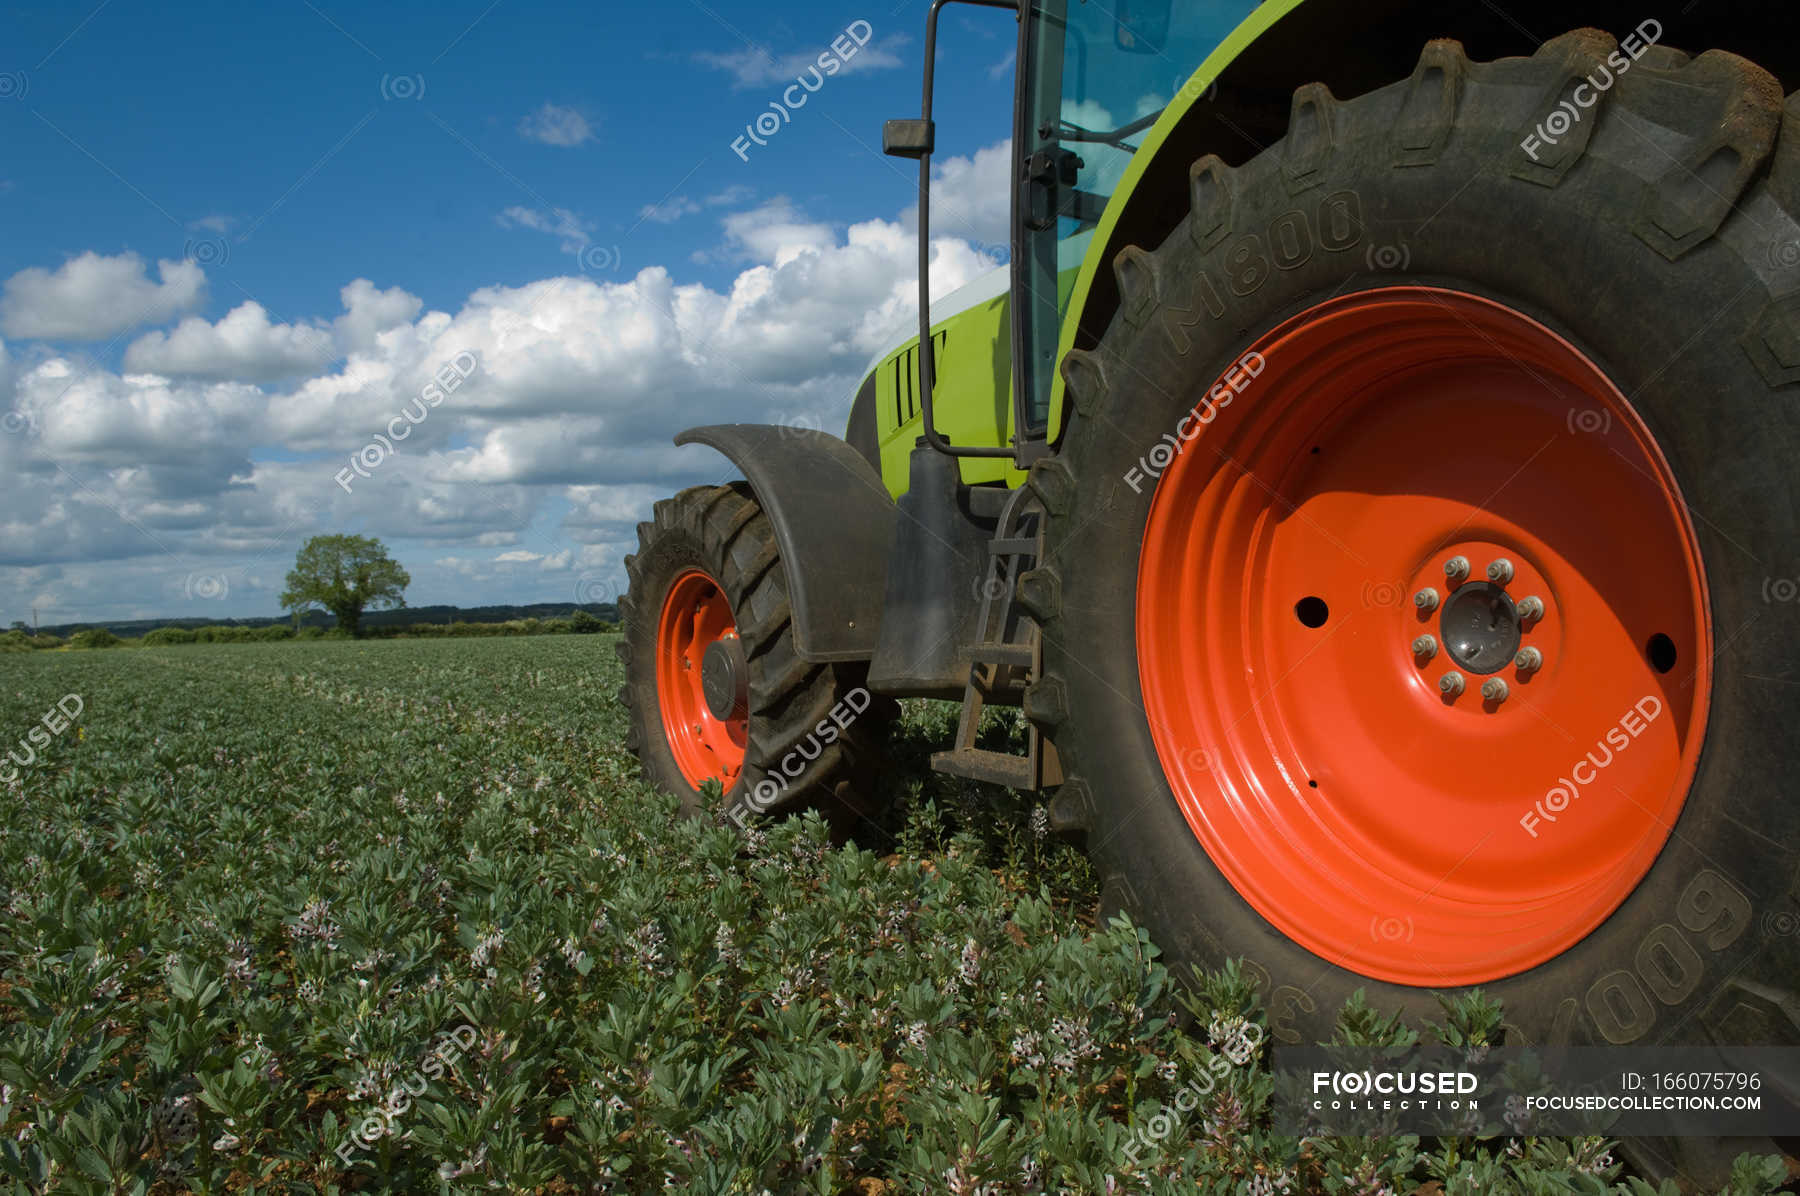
x=345, y=575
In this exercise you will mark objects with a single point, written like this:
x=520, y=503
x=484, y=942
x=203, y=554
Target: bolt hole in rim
x=1459, y=426
x=696, y=615
x=1312, y=611
x=1661, y=653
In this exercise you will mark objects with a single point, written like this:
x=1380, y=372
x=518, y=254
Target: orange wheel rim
x=1401, y=831
x=696, y=637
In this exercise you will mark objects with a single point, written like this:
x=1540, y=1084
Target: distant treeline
x=581, y=622
x=374, y=622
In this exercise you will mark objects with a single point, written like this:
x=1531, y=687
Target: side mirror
x=908, y=138
x=1142, y=26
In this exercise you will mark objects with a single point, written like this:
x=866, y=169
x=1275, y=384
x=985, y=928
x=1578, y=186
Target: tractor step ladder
x=1007, y=655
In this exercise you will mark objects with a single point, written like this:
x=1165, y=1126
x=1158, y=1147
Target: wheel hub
x=1481, y=627
x=1384, y=657
x=725, y=678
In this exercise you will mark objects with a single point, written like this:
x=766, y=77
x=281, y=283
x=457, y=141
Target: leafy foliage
x=345, y=575
x=401, y=916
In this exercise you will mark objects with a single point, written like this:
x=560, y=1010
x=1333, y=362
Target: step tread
x=1022, y=655
x=978, y=764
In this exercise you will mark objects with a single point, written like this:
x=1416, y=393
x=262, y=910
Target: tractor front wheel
x=717, y=694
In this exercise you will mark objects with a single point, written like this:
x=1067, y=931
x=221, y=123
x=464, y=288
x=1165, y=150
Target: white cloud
x=369, y=312
x=669, y=210
x=675, y=207
x=970, y=198
x=92, y=297
x=547, y=455
x=554, y=125
x=759, y=66
x=560, y=222
x=549, y=562
x=243, y=346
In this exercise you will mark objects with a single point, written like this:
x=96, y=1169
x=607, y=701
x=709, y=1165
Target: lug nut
x=1456, y=568
x=1425, y=647
x=1529, y=660
x=1500, y=572
x=1426, y=600
x=1494, y=690
x=1450, y=684
x=1531, y=608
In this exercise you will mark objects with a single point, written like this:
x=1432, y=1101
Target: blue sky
x=245, y=238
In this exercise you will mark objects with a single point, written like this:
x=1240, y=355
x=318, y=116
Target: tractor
x=1372, y=476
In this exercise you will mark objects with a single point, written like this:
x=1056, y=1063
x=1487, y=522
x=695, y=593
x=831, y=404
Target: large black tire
x=1684, y=285
x=829, y=764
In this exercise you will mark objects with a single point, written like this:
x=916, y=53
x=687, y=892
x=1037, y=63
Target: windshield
x=1101, y=73
x=1118, y=71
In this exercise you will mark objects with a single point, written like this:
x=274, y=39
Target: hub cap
x=725, y=678
x=1481, y=627
x=1339, y=582
x=699, y=662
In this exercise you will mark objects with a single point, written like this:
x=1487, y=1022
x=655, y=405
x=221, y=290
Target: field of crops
x=400, y=916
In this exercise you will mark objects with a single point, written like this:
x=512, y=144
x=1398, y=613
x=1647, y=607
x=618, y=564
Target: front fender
x=834, y=525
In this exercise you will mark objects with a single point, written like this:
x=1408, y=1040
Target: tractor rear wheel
x=716, y=692
x=1418, y=592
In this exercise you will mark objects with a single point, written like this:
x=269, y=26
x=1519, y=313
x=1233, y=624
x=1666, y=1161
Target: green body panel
x=973, y=397
x=973, y=400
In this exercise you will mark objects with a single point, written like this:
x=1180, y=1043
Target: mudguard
x=834, y=524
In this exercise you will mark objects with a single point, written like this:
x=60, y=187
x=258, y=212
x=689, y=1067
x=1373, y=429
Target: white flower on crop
x=970, y=970
x=468, y=1166
x=1223, y=1032
x=572, y=953
x=723, y=944
x=647, y=946
x=109, y=987
x=793, y=985
x=373, y=960
x=239, y=968
x=315, y=921
x=1078, y=1044
x=915, y=1035
x=1028, y=1048
x=488, y=947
